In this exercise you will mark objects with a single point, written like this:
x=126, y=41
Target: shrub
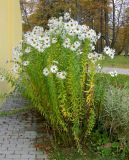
x=116, y=111
x=53, y=66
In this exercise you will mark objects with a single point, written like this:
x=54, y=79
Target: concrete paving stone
x=7, y=152
x=36, y=152
x=28, y=156
x=2, y=155
x=21, y=152
x=15, y=149
x=38, y=156
x=19, y=134
x=15, y=159
x=16, y=156
x=3, y=148
x=39, y=159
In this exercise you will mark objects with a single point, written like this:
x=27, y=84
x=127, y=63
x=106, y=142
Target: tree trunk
x=126, y=47
x=114, y=25
x=101, y=29
x=106, y=25
x=25, y=13
x=78, y=16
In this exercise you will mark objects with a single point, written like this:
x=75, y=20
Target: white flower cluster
x=65, y=27
x=15, y=68
x=74, y=47
x=113, y=73
x=109, y=51
x=72, y=36
x=37, y=40
x=94, y=57
x=54, y=69
x=67, y=16
x=17, y=52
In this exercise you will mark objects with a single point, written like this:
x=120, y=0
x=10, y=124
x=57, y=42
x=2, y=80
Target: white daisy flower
x=54, y=40
x=110, y=52
x=77, y=44
x=90, y=55
x=28, y=50
x=54, y=69
x=66, y=16
x=66, y=43
x=81, y=36
x=2, y=78
x=25, y=63
x=71, y=33
x=46, y=71
x=46, y=39
x=61, y=75
x=60, y=18
x=15, y=68
x=47, y=44
x=73, y=48
x=113, y=73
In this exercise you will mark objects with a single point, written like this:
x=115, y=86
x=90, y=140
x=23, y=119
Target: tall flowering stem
x=56, y=68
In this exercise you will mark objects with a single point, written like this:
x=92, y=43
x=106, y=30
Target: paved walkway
x=119, y=70
x=19, y=136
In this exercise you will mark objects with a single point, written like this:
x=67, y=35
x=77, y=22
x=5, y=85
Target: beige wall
x=10, y=31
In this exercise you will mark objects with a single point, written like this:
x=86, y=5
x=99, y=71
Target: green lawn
x=118, y=61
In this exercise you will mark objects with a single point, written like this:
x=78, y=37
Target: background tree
x=109, y=17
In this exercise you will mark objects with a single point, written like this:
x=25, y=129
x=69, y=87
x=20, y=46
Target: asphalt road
x=118, y=70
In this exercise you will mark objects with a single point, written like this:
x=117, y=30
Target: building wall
x=10, y=31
